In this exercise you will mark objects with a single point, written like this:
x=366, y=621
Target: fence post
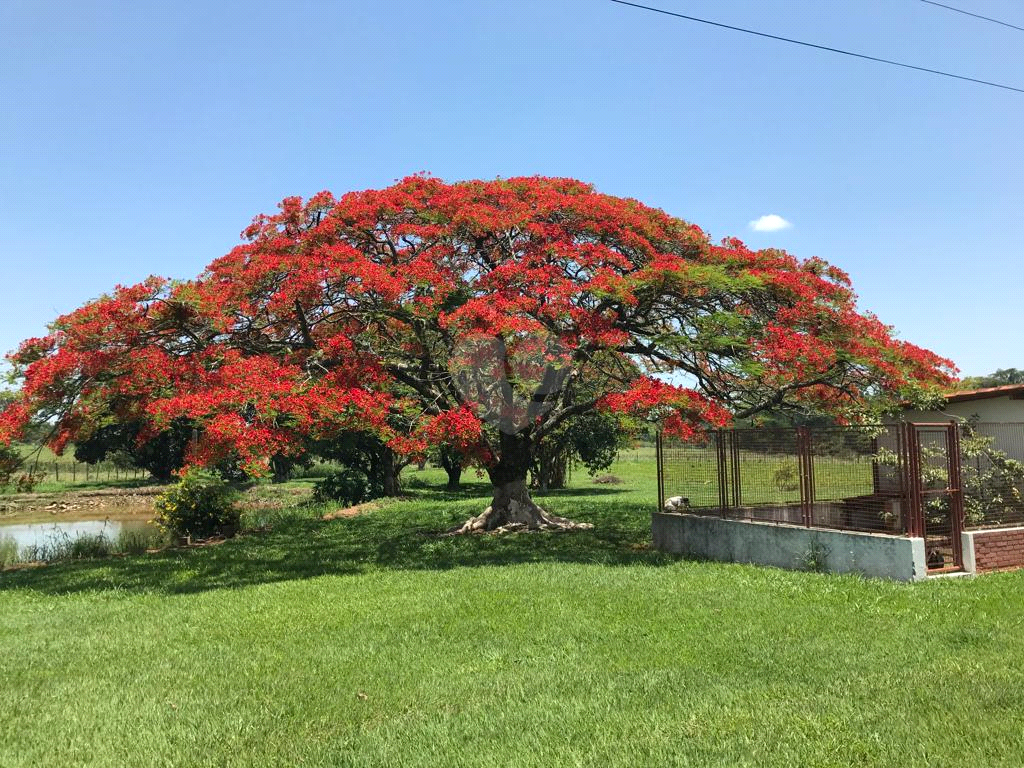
x=812, y=490
x=876, y=479
x=661, y=470
x=956, y=495
x=803, y=450
x=901, y=476
x=723, y=474
x=737, y=481
x=915, y=506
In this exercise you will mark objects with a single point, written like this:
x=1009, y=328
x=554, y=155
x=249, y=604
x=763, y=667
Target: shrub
x=27, y=481
x=349, y=487
x=10, y=462
x=200, y=505
x=786, y=477
x=319, y=470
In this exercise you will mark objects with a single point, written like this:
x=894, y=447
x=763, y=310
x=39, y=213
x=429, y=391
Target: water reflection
x=43, y=536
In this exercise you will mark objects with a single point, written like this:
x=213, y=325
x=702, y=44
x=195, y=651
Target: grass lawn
x=370, y=641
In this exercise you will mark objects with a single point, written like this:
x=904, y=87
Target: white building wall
x=999, y=417
x=994, y=410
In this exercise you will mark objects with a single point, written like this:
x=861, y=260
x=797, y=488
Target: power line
x=821, y=47
x=975, y=15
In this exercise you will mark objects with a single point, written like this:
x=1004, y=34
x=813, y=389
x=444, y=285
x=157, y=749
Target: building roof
x=1015, y=392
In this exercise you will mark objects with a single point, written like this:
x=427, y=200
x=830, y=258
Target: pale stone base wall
x=788, y=546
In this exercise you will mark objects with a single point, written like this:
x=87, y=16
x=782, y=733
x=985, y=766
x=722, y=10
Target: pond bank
x=97, y=504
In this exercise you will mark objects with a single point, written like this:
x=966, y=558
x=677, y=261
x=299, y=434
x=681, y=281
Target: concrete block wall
x=789, y=546
x=993, y=549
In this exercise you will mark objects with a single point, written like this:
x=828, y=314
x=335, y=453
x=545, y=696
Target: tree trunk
x=451, y=462
x=390, y=470
x=281, y=468
x=454, y=478
x=161, y=474
x=551, y=467
x=512, y=508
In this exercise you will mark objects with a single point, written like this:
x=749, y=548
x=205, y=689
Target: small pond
x=48, y=536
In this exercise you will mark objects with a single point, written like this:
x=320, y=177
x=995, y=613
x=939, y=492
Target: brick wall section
x=998, y=549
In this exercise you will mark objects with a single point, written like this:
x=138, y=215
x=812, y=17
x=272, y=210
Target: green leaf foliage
x=201, y=505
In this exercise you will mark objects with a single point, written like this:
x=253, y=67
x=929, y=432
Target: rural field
x=769, y=246
x=371, y=640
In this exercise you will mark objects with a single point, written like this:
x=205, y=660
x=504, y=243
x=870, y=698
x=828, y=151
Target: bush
x=318, y=470
x=11, y=462
x=349, y=487
x=200, y=505
x=786, y=477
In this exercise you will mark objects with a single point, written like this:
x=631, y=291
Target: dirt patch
x=358, y=509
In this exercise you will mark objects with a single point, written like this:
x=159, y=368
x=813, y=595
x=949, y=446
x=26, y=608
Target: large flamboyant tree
x=482, y=315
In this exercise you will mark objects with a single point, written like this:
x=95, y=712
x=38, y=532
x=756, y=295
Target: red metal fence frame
x=908, y=471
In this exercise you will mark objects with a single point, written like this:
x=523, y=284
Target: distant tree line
x=1000, y=378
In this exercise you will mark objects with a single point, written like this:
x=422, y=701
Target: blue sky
x=140, y=138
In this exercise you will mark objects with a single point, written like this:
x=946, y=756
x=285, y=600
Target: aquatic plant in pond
x=81, y=540
x=8, y=551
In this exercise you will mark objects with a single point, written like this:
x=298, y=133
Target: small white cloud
x=770, y=223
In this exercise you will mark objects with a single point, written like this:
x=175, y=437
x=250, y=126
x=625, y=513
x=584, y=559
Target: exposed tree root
x=489, y=522
x=514, y=510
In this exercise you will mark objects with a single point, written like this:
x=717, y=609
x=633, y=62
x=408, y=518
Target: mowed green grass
x=372, y=641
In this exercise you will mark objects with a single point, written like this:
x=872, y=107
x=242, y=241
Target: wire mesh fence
x=828, y=478
x=992, y=472
x=883, y=478
x=856, y=479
